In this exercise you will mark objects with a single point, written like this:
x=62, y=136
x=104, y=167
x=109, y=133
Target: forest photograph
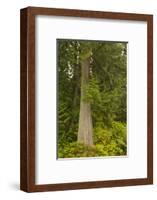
x=91, y=98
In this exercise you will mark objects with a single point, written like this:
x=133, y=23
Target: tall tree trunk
x=85, y=130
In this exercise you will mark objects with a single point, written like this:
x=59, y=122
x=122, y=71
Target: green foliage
x=108, y=142
x=64, y=121
x=75, y=149
x=111, y=141
x=91, y=91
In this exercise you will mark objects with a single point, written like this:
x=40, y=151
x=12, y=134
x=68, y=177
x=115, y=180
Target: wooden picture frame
x=27, y=98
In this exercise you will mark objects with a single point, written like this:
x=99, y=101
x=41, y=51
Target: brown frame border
x=27, y=98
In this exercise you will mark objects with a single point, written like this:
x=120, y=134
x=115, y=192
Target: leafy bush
x=75, y=149
x=91, y=92
x=107, y=142
x=111, y=142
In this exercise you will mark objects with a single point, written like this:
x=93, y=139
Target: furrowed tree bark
x=85, y=130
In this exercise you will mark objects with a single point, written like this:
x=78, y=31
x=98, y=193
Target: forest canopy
x=92, y=98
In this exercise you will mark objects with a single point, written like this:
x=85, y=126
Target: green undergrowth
x=107, y=142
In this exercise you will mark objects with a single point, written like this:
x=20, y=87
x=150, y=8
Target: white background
x=9, y=100
x=49, y=170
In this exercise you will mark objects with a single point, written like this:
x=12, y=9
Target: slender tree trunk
x=85, y=130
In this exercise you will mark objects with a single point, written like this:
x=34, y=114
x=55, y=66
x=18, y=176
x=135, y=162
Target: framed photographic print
x=86, y=99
